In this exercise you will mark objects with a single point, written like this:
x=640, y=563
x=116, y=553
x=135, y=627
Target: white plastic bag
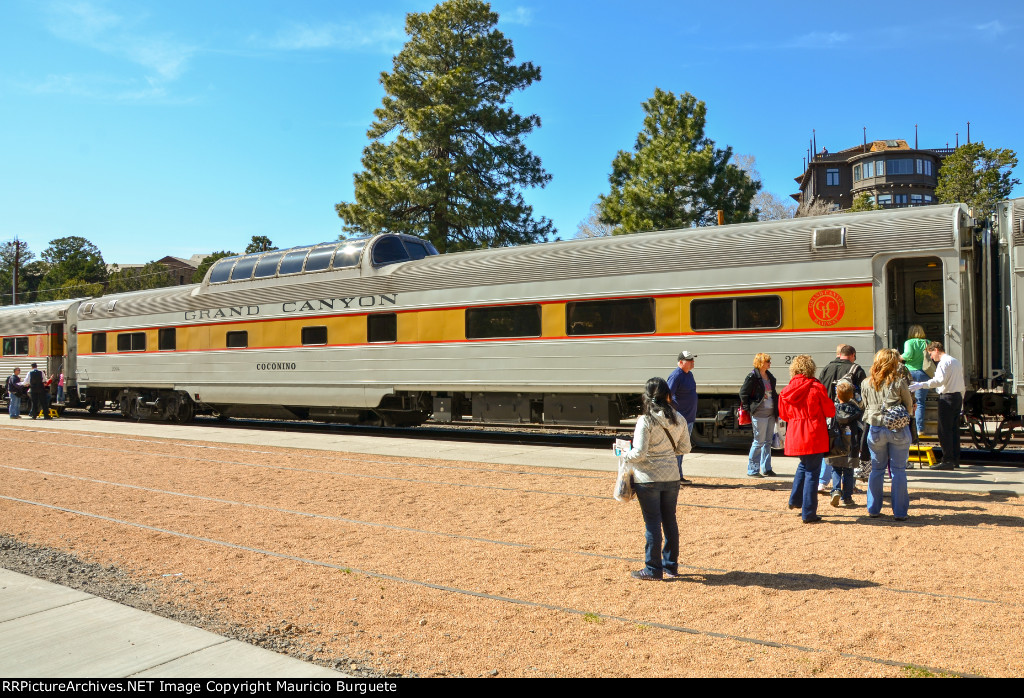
x=779, y=437
x=624, y=482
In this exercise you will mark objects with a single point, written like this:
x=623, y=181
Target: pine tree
x=447, y=158
x=676, y=177
x=977, y=176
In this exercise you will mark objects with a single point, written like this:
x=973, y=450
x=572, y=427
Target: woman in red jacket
x=804, y=406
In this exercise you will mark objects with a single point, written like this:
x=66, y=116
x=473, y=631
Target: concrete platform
x=51, y=631
x=977, y=478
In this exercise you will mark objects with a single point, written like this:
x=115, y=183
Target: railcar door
x=915, y=297
x=55, y=356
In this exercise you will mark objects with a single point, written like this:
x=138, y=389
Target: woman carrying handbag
x=661, y=434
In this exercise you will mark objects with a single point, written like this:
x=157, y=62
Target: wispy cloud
x=382, y=34
x=520, y=15
x=102, y=87
x=995, y=28
x=818, y=40
x=161, y=57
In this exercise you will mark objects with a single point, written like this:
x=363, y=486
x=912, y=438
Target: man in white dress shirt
x=949, y=384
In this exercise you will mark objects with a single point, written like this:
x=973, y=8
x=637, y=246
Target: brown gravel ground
x=418, y=567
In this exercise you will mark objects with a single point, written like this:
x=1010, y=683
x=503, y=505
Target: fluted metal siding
x=667, y=251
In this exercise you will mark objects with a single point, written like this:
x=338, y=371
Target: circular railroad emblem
x=826, y=308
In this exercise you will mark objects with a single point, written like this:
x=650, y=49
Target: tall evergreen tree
x=71, y=263
x=676, y=177
x=447, y=159
x=977, y=176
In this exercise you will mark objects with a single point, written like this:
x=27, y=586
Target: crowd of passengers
x=843, y=424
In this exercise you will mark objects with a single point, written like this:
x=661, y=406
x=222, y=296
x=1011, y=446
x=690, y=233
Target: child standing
x=849, y=410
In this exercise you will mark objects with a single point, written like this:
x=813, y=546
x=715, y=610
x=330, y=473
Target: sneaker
x=849, y=503
x=836, y=497
x=899, y=518
x=684, y=481
x=822, y=489
x=812, y=519
x=770, y=473
x=754, y=475
x=644, y=574
x=942, y=466
x=794, y=506
x=670, y=575
x=874, y=516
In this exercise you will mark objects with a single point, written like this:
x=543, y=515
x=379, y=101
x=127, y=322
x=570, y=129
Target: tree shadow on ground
x=783, y=581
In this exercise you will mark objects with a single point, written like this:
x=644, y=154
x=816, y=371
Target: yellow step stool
x=922, y=454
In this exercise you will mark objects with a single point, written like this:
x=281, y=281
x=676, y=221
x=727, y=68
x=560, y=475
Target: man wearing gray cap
x=684, y=396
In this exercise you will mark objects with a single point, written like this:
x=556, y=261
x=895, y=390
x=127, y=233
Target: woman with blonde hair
x=805, y=406
x=913, y=358
x=759, y=399
x=884, y=393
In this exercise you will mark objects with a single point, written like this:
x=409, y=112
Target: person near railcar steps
x=805, y=406
x=913, y=358
x=949, y=384
x=759, y=398
x=15, y=389
x=661, y=434
x=60, y=387
x=683, y=388
x=37, y=392
x=843, y=366
x=849, y=412
x=888, y=439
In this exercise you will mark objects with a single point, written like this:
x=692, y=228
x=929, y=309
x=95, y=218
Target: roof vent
x=825, y=238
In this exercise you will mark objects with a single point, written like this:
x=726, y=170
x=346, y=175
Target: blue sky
x=154, y=128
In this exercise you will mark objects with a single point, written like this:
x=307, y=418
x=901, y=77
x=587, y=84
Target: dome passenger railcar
x=384, y=329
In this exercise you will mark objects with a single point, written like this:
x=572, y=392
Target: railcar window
x=349, y=253
x=928, y=296
x=15, y=346
x=715, y=314
x=222, y=270
x=382, y=327
x=417, y=250
x=320, y=257
x=267, y=266
x=292, y=262
x=389, y=250
x=237, y=340
x=314, y=335
x=167, y=339
x=620, y=316
x=99, y=343
x=503, y=321
x=743, y=313
x=131, y=341
x=243, y=268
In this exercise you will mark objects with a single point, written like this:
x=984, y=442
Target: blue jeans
x=805, y=485
x=14, y=408
x=919, y=397
x=679, y=459
x=760, y=459
x=826, y=475
x=889, y=448
x=842, y=482
x=658, y=505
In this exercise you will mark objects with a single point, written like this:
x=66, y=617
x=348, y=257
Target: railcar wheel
x=984, y=441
